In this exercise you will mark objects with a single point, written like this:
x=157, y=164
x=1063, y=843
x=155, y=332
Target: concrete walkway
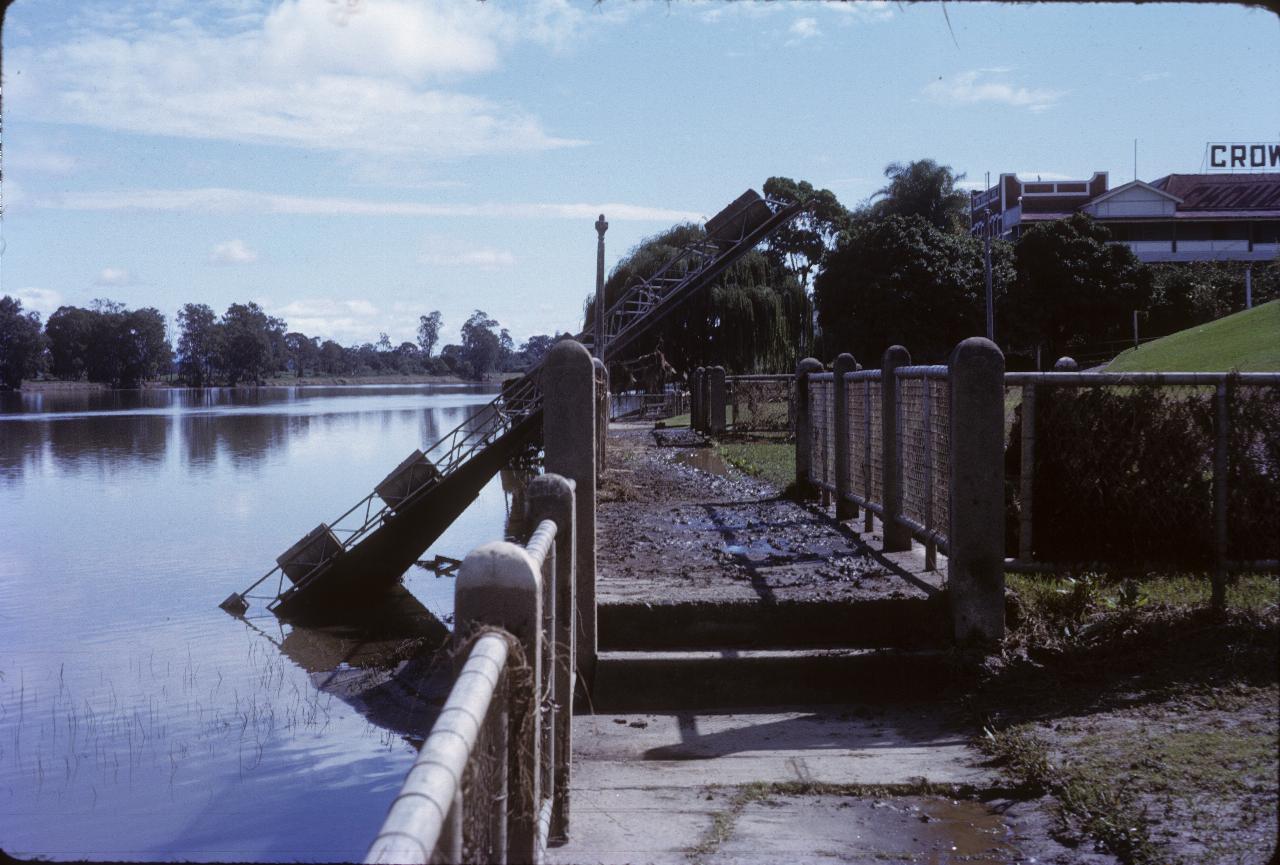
x=776, y=786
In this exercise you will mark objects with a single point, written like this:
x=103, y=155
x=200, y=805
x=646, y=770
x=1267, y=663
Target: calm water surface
x=137, y=720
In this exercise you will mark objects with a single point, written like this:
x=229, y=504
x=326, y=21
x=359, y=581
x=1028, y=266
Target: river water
x=137, y=720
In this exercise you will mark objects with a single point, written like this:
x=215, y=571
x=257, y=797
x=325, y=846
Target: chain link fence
x=822, y=431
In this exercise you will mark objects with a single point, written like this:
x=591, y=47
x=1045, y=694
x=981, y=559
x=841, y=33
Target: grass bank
x=1248, y=341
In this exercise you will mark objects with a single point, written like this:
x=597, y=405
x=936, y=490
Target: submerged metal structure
x=372, y=544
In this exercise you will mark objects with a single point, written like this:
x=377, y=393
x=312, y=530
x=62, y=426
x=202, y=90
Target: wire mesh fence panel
x=855, y=400
x=1253, y=473
x=911, y=448
x=940, y=452
x=876, y=475
x=484, y=784
x=1123, y=475
x=763, y=404
x=822, y=434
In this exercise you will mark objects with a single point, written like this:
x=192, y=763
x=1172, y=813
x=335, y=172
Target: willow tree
x=747, y=321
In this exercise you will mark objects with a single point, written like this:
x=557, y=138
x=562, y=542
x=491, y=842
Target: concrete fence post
x=976, y=540
x=704, y=401
x=715, y=400
x=1065, y=364
x=897, y=537
x=845, y=509
x=499, y=584
x=568, y=436
x=550, y=497
x=695, y=399
x=804, y=424
x=602, y=413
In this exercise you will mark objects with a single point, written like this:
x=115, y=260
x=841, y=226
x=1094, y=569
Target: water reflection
x=137, y=720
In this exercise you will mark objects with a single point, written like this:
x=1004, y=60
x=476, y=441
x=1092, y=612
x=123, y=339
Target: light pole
x=597, y=341
x=986, y=263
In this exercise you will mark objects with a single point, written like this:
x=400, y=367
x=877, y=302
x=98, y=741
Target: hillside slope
x=1248, y=341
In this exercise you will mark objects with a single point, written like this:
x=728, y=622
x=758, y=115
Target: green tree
x=1073, y=288
x=429, y=331
x=304, y=351
x=925, y=189
x=143, y=348
x=21, y=343
x=198, y=344
x=69, y=331
x=802, y=243
x=481, y=345
x=245, y=350
x=902, y=280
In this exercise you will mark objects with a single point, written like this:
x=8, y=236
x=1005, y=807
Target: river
x=137, y=720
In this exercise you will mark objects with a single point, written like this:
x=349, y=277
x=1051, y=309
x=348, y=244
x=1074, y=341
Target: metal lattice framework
x=644, y=303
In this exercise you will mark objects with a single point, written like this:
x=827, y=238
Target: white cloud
x=232, y=252
x=223, y=200
x=445, y=252
x=804, y=28
x=41, y=300
x=344, y=321
x=978, y=85
x=114, y=276
x=369, y=82
x=39, y=161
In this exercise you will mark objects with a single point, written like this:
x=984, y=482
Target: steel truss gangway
x=374, y=542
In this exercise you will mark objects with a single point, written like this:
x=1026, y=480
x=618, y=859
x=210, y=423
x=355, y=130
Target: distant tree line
x=119, y=347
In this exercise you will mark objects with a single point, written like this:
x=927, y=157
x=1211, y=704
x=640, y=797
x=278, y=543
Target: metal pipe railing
x=421, y=810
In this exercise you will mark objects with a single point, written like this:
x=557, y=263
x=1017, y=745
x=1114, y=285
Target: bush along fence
x=921, y=448
x=1142, y=471
x=491, y=781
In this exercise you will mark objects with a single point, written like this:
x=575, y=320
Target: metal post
x=1027, y=474
x=804, y=423
x=602, y=413
x=869, y=522
x=975, y=562
x=845, y=509
x=695, y=399
x=897, y=537
x=1220, y=468
x=1135, y=330
x=598, y=338
x=1248, y=286
x=930, y=545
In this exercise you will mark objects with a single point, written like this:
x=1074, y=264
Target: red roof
x=1211, y=192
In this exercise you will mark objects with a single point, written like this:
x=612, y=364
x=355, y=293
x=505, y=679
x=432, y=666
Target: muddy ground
x=676, y=524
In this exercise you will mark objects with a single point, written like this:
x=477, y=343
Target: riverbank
x=48, y=385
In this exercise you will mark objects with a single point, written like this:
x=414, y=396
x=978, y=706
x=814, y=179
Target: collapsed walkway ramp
x=375, y=541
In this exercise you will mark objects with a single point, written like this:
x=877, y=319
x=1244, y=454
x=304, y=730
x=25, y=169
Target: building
x=1179, y=217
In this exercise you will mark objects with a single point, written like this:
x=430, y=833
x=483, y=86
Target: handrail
x=413, y=826
x=1123, y=378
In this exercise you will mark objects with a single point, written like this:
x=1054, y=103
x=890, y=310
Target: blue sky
x=353, y=164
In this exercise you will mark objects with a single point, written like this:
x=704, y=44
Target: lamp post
x=597, y=341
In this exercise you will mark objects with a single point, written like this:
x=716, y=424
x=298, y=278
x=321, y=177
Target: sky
x=351, y=165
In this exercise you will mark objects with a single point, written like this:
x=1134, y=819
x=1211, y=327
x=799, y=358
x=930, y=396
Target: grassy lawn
x=1248, y=341
x=773, y=461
